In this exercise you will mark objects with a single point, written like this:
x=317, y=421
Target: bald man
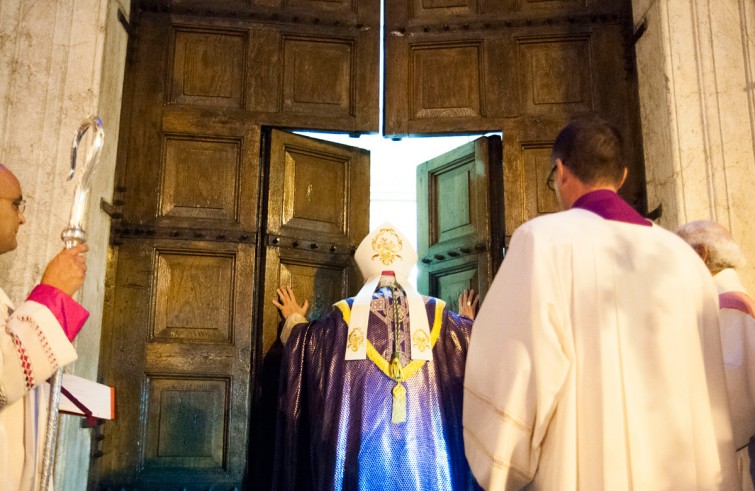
x=736, y=316
x=34, y=342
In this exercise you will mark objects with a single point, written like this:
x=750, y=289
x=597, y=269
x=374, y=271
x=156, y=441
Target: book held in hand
x=80, y=396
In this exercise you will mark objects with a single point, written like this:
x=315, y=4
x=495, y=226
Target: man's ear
x=702, y=251
x=560, y=173
x=623, y=179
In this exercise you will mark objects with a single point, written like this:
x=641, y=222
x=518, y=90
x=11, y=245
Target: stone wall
x=60, y=61
x=696, y=70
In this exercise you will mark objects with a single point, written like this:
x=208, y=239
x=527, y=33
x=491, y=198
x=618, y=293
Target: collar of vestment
x=356, y=346
x=384, y=365
x=607, y=204
x=727, y=280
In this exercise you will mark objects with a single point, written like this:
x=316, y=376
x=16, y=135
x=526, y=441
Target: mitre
x=386, y=250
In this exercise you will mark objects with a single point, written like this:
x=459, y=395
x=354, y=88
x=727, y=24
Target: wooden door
x=460, y=219
x=184, y=343
x=188, y=325
x=178, y=344
x=317, y=214
x=177, y=339
x=527, y=162
x=521, y=66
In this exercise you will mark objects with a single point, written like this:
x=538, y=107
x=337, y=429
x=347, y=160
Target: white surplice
x=32, y=346
x=595, y=364
x=738, y=341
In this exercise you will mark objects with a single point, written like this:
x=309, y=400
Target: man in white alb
x=595, y=360
x=35, y=339
x=715, y=245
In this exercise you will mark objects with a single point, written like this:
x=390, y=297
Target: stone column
x=60, y=61
x=696, y=72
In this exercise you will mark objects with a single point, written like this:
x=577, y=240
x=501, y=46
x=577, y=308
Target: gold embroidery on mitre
x=421, y=340
x=387, y=244
x=356, y=338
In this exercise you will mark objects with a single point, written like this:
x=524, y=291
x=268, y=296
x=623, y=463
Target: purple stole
x=607, y=204
x=737, y=301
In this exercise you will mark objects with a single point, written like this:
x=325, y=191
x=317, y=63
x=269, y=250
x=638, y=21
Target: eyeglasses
x=18, y=203
x=549, y=179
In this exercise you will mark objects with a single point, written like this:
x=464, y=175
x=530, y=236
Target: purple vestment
x=334, y=416
x=609, y=205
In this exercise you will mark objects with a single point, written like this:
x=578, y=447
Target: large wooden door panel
x=310, y=66
x=186, y=427
x=412, y=12
x=446, y=280
x=317, y=213
x=209, y=172
x=460, y=218
x=444, y=80
x=321, y=278
x=208, y=67
x=202, y=173
x=527, y=161
x=314, y=191
x=313, y=75
x=460, y=176
x=183, y=346
x=186, y=336
x=195, y=173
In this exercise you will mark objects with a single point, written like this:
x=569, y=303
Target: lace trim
x=24, y=359
x=51, y=359
x=23, y=355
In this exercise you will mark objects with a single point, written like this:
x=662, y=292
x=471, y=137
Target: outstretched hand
x=67, y=270
x=468, y=303
x=288, y=304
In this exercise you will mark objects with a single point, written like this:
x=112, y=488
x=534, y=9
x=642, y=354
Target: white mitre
x=387, y=249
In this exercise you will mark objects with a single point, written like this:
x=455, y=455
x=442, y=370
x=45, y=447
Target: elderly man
x=595, y=360
x=715, y=245
x=371, y=393
x=35, y=341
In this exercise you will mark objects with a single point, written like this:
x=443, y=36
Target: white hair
x=722, y=251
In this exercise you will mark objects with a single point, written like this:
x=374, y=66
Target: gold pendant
x=398, y=415
x=397, y=371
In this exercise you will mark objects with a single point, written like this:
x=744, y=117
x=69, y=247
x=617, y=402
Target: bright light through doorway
x=393, y=174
